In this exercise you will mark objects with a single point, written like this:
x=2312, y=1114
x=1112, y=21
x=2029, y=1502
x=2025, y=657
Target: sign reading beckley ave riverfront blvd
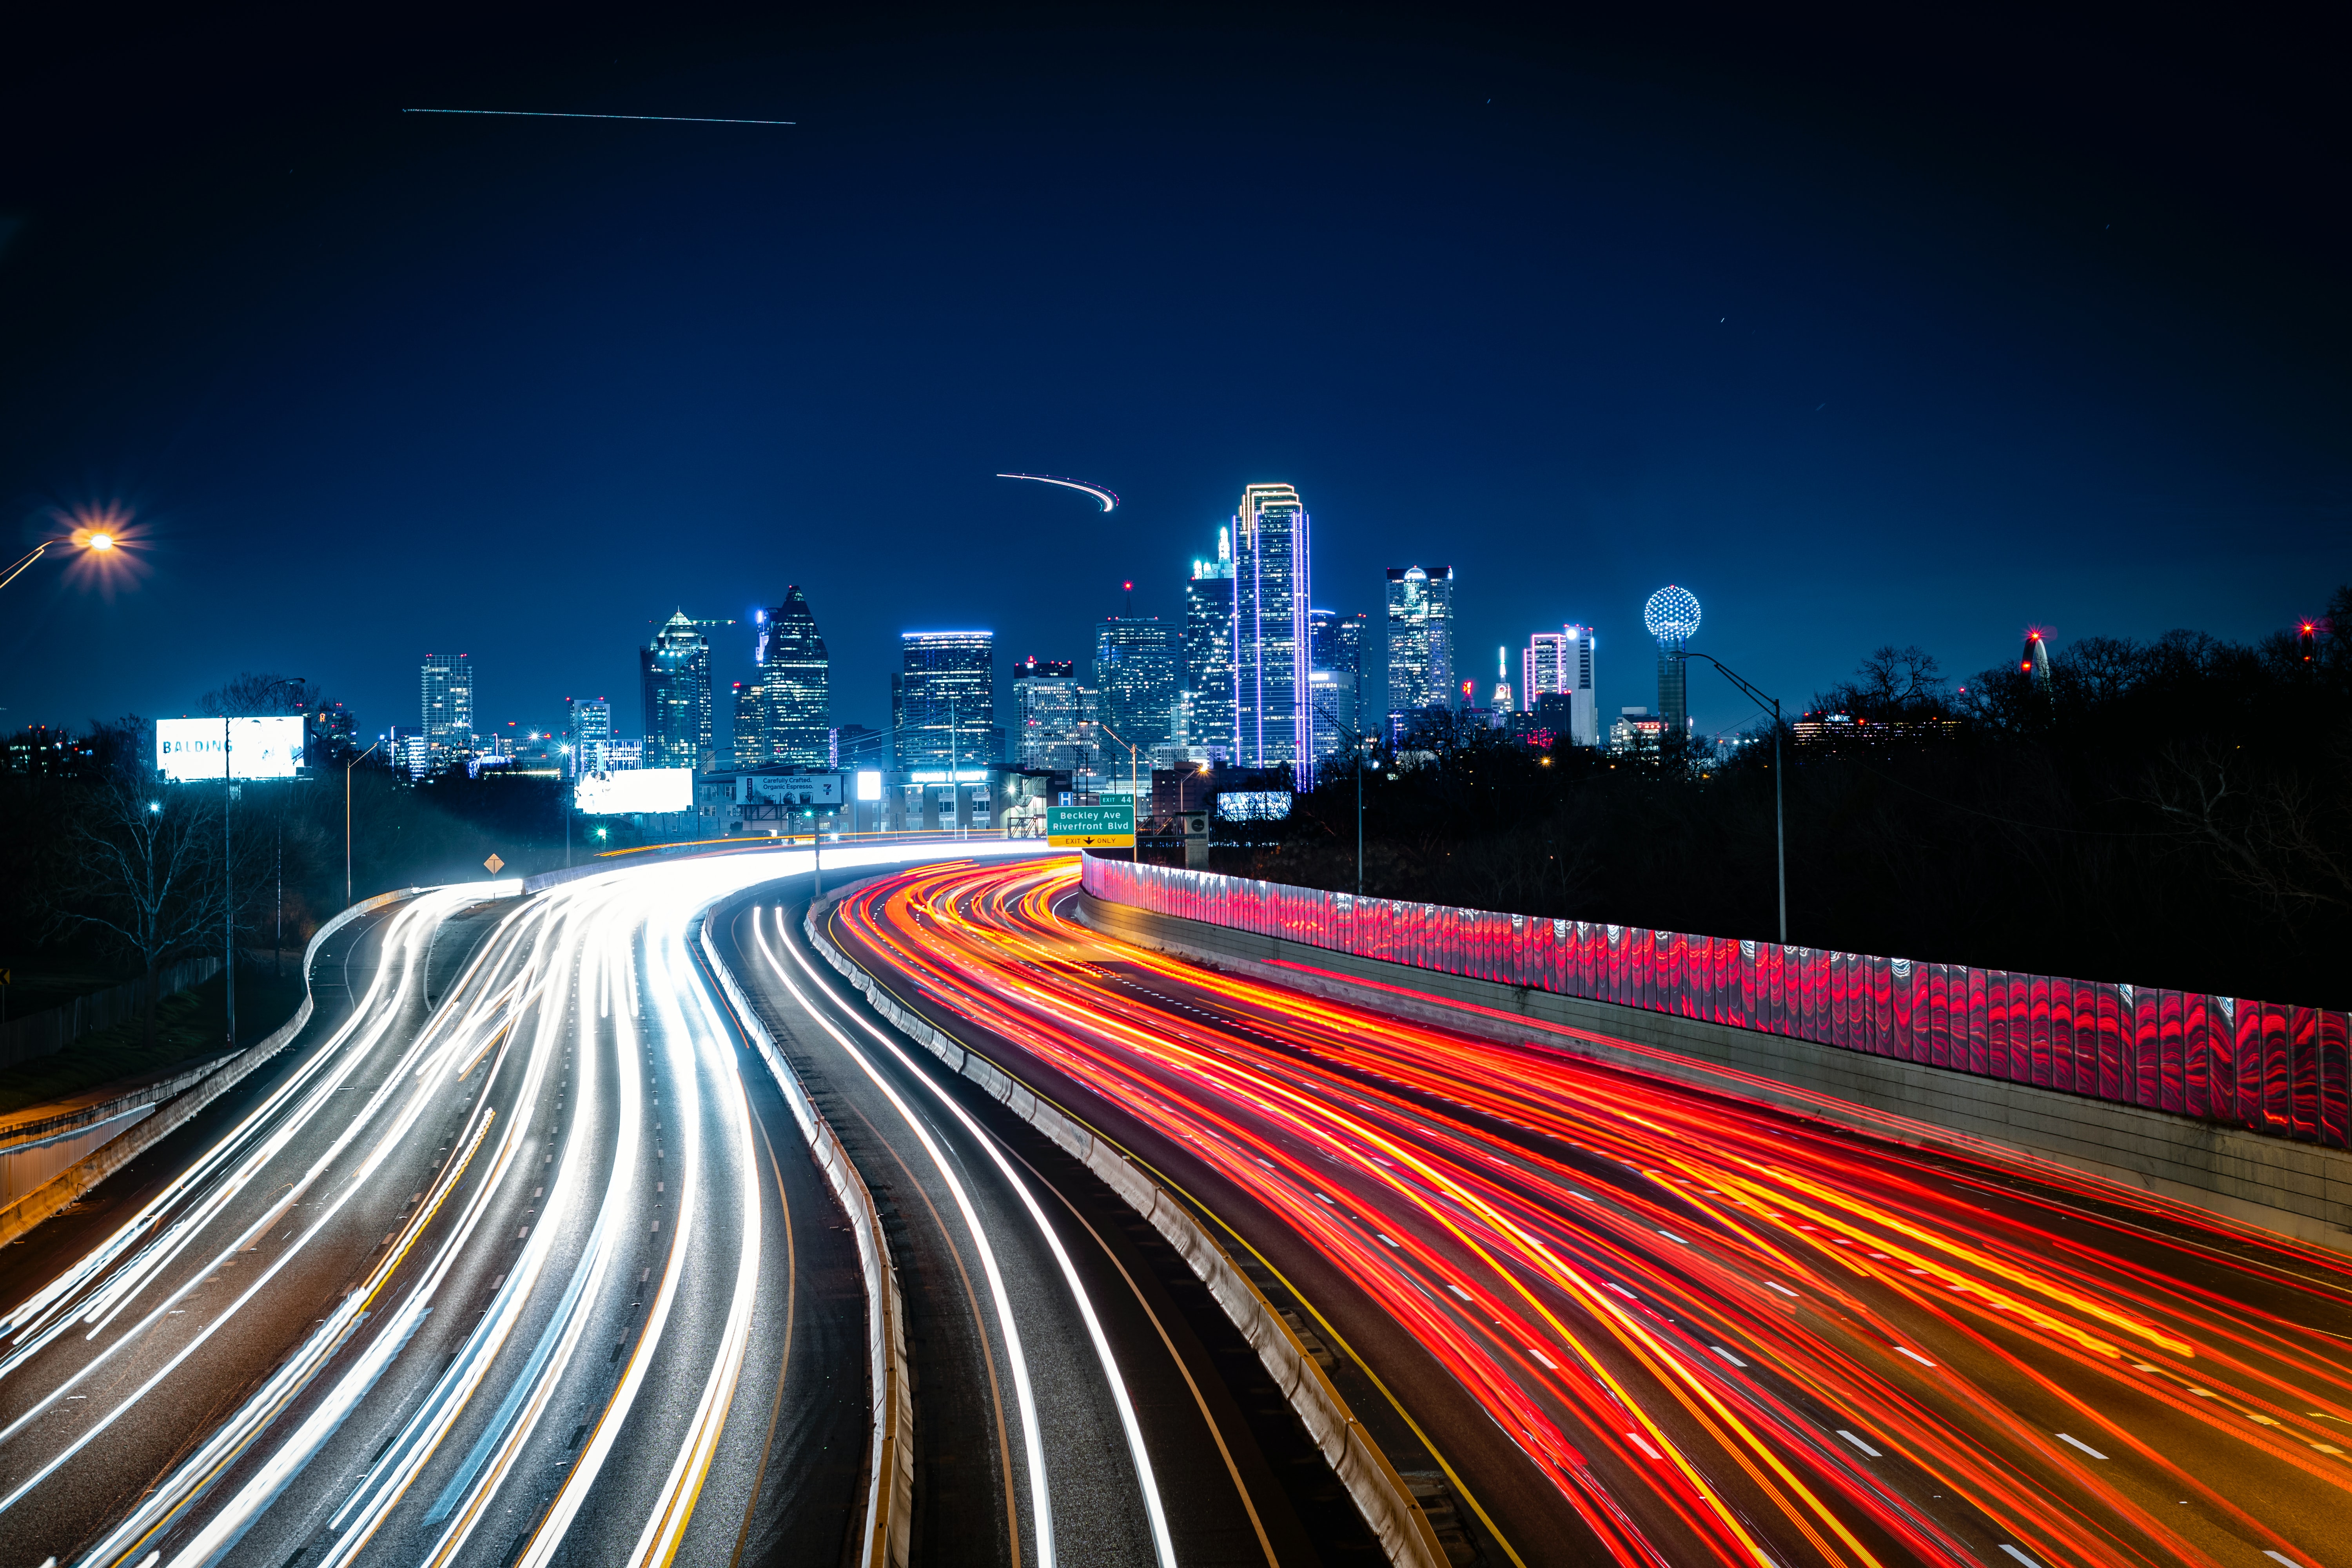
x=1091, y=826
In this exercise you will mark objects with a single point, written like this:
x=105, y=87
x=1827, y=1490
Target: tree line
x=2175, y=813
x=111, y=868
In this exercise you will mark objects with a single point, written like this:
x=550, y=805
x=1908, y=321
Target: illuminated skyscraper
x=747, y=705
x=676, y=670
x=795, y=686
x=588, y=731
x=1560, y=664
x=448, y=699
x=1420, y=638
x=943, y=700
x=1053, y=713
x=1336, y=662
x=1208, y=700
x=1272, y=589
x=1135, y=674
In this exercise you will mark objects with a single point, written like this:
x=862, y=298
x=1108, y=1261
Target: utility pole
x=356, y=762
x=1355, y=739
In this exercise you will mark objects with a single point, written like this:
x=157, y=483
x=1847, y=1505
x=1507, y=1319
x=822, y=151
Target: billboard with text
x=193, y=750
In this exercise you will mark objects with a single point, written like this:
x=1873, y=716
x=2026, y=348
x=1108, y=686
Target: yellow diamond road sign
x=494, y=864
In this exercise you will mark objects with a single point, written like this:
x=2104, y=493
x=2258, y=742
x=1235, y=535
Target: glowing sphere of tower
x=1672, y=615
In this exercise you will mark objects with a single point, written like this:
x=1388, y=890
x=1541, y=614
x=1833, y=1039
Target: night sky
x=1861, y=336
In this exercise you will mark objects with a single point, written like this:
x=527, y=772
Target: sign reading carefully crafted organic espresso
x=1091, y=826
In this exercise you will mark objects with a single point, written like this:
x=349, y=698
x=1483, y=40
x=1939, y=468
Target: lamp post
x=1134, y=788
x=1779, y=829
x=228, y=868
x=97, y=540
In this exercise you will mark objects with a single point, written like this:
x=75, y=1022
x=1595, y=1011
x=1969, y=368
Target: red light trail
x=1719, y=1332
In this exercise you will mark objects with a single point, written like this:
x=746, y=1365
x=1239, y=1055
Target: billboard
x=1105, y=826
x=789, y=789
x=189, y=751
x=635, y=790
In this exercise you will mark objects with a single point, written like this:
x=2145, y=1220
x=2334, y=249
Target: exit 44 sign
x=1091, y=826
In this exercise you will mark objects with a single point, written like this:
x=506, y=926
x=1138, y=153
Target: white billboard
x=634, y=790
x=190, y=750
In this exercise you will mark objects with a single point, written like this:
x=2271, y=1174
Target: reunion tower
x=1672, y=616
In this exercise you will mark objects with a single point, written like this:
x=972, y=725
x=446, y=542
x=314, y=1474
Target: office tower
x=1504, y=704
x=333, y=735
x=448, y=699
x=1272, y=593
x=677, y=674
x=1336, y=677
x=620, y=753
x=1672, y=616
x=1420, y=638
x=1135, y=674
x=1560, y=664
x=747, y=706
x=943, y=699
x=1048, y=714
x=795, y=683
x=588, y=731
x=1207, y=703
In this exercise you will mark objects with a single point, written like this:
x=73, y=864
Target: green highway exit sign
x=1091, y=826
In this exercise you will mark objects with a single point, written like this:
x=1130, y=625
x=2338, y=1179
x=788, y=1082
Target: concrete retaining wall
x=891, y=1477
x=1387, y=1503
x=2301, y=1190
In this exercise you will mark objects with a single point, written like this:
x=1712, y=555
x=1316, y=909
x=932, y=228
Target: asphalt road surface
x=516, y=1256
x=1634, y=1322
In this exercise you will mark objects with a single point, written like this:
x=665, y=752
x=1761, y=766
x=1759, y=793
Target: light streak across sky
x=553, y=114
x=1716, y=1333
x=1110, y=498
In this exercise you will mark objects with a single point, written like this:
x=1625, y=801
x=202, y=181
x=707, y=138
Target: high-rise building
x=747, y=705
x=795, y=685
x=588, y=731
x=1560, y=664
x=677, y=674
x=1208, y=698
x=943, y=700
x=331, y=737
x=1054, y=714
x=860, y=746
x=1135, y=674
x=1672, y=615
x=1420, y=638
x=1336, y=677
x=448, y=731
x=1273, y=588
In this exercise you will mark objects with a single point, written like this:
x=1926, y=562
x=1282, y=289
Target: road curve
x=1064, y=1412
x=486, y=1276
x=1641, y=1324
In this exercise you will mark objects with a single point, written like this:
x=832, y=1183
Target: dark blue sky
x=1577, y=320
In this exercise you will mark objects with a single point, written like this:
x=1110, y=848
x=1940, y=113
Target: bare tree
x=142, y=867
x=2267, y=832
x=248, y=696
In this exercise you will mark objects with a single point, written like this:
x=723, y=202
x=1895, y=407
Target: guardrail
x=2268, y=1068
x=118, y=1152
x=890, y=1481
x=1386, y=1501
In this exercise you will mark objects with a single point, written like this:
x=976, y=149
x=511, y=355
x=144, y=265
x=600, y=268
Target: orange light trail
x=1722, y=1333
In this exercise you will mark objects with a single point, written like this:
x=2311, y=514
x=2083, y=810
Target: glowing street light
x=100, y=541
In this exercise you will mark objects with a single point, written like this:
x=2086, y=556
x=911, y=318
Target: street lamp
x=1355, y=745
x=96, y=540
x=1779, y=829
x=228, y=868
x=1134, y=785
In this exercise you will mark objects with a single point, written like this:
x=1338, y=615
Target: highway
x=1067, y=1411
x=519, y=1259
x=1636, y=1323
